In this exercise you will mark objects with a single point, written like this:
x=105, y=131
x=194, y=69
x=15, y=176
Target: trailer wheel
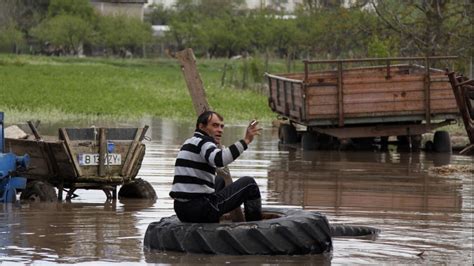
x=442, y=141
x=287, y=134
x=309, y=141
x=39, y=191
x=137, y=189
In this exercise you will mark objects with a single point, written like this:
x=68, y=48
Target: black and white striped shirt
x=196, y=163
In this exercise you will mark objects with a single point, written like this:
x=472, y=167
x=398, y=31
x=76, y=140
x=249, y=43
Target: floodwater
x=425, y=217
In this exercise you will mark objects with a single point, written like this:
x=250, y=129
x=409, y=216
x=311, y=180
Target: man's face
x=214, y=128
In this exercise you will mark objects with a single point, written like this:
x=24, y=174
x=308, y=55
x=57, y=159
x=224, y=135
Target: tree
x=66, y=31
x=78, y=8
x=260, y=26
x=123, y=33
x=185, y=26
x=428, y=28
x=158, y=15
x=225, y=36
x=12, y=37
x=21, y=15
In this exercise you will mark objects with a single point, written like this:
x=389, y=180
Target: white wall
x=252, y=4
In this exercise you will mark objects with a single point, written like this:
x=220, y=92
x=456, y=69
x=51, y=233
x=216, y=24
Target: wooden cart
x=378, y=99
x=81, y=158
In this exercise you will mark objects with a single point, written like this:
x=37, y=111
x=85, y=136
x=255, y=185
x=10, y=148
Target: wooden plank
x=137, y=163
x=63, y=134
x=374, y=109
x=320, y=90
x=441, y=86
x=59, y=151
x=340, y=95
x=134, y=160
x=193, y=80
x=442, y=104
x=323, y=100
x=374, y=79
x=330, y=109
x=102, y=151
x=368, y=88
x=130, y=153
x=427, y=89
x=112, y=170
x=409, y=105
x=390, y=97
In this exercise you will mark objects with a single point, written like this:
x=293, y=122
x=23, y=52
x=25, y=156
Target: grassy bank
x=50, y=88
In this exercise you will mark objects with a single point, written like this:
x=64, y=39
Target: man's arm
x=221, y=157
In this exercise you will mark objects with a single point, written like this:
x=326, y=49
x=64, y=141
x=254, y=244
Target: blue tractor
x=10, y=166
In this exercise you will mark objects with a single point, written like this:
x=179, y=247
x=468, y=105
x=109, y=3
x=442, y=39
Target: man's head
x=212, y=123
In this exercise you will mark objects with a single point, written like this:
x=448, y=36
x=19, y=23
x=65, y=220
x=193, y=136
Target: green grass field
x=54, y=89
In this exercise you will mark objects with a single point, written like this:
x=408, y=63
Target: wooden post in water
x=198, y=95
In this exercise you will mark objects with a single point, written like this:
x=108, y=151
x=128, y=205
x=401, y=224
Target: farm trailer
x=358, y=104
x=83, y=158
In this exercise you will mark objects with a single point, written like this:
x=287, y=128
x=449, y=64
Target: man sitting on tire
x=199, y=195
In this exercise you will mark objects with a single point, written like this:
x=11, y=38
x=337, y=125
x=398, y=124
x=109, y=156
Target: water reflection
x=417, y=211
x=377, y=181
x=70, y=232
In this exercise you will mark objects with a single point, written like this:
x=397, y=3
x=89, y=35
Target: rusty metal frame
x=462, y=88
x=381, y=130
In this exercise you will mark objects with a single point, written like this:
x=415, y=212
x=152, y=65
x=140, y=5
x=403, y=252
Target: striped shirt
x=196, y=163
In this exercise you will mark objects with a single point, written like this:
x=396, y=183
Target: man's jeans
x=209, y=209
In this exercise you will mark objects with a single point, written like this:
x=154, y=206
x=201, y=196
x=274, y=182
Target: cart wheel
x=442, y=141
x=287, y=134
x=39, y=191
x=137, y=189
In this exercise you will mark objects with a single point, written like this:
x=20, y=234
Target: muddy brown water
x=425, y=217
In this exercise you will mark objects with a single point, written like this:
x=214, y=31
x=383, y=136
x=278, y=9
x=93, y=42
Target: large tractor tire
x=294, y=231
x=352, y=230
x=39, y=191
x=282, y=231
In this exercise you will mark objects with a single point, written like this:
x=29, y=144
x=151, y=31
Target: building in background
x=283, y=5
x=132, y=8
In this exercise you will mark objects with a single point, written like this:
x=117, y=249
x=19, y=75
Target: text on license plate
x=93, y=159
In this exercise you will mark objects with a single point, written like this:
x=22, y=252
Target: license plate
x=93, y=159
